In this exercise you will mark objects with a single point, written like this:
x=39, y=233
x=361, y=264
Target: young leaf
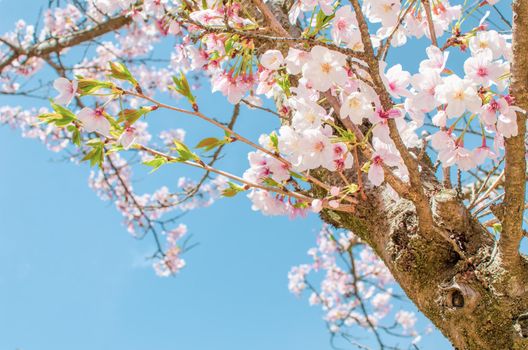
x=156, y=163
x=91, y=86
x=366, y=167
x=121, y=72
x=210, y=143
x=270, y=182
x=96, y=154
x=131, y=115
x=76, y=135
x=184, y=152
x=182, y=87
x=352, y=188
x=274, y=140
x=63, y=111
x=232, y=190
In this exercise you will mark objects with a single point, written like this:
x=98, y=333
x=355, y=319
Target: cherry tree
x=416, y=167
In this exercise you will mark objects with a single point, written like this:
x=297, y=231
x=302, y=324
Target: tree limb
x=512, y=208
x=51, y=45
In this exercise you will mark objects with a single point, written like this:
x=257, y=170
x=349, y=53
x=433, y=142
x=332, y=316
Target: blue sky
x=72, y=278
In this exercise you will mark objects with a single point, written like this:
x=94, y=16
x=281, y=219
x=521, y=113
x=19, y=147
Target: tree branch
x=512, y=208
x=416, y=193
x=51, y=45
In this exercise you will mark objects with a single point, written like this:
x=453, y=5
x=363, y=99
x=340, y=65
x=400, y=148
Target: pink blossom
x=325, y=68
x=384, y=154
x=481, y=69
x=406, y=319
x=396, y=80
x=94, y=121
x=295, y=60
x=436, y=60
x=128, y=137
x=459, y=95
x=345, y=30
x=67, y=90
x=272, y=59
x=356, y=106
x=384, y=11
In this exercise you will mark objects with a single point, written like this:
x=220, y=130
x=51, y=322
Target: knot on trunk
x=449, y=212
x=521, y=325
x=457, y=296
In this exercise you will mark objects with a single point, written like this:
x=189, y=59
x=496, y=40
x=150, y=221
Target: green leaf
x=65, y=112
x=274, y=140
x=46, y=117
x=229, y=44
x=352, y=188
x=497, y=227
x=97, y=158
x=270, y=182
x=322, y=21
x=366, y=167
x=95, y=142
x=120, y=71
x=91, y=86
x=61, y=118
x=76, y=135
x=232, y=190
x=112, y=121
x=184, y=152
x=181, y=86
x=284, y=82
x=55, y=118
x=346, y=135
x=96, y=154
x=115, y=148
x=156, y=163
x=210, y=143
x=131, y=115
x=300, y=205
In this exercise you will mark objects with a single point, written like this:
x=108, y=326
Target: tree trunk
x=468, y=301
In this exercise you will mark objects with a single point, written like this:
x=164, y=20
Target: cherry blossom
x=128, y=137
x=481, y=69
x=356, y=107
x=397, y=80
x=94, y=120
x=459, y=95
x=384, y=11
x=67, y=90
x=384, y=155
x=272, y=59
x=324, y=68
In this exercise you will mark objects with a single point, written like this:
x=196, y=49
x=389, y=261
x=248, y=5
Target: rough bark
x=467, y=300
x=512, y=209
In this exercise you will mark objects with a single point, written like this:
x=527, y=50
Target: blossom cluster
x=354, y=288
x=340, y=111
x=307, y=78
